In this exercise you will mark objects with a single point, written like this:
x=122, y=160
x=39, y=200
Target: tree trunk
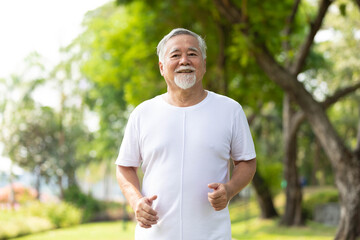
x=61, y=187
x=12, y=199
x=345, y=163
x=314, y=179
x=107, y=181
x=264, y=197
x=293, y=212
x=71, y=178
x=38, y=182
x=348, y=183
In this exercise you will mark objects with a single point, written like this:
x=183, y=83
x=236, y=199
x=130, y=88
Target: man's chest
x=204, y=132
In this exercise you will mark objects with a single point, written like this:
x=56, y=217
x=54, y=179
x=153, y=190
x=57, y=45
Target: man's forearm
x=242, y=175
x=129, y=184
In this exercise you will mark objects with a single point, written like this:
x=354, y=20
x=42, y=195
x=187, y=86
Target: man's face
x=183, y=65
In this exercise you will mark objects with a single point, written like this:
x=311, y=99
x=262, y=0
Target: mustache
x=184, y=68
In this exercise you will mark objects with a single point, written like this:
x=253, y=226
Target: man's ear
x=161, y=67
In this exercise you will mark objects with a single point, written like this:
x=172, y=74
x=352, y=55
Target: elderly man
x=184, y=141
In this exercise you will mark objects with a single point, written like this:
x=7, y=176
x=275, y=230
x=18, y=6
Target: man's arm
x=130, y=187
x=242, y=175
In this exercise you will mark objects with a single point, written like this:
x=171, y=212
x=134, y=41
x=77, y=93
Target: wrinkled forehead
x=180, y=43
x=175, y=49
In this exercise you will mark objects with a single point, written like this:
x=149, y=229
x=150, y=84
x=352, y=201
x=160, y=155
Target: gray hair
x=180, y=31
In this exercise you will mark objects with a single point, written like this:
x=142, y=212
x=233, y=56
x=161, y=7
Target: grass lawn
x=245, y=225
x=90, y=231
x=268, y=229
x=254, y=228
x=244, y=218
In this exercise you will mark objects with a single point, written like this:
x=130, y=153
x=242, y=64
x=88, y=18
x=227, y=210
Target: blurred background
x=72, y=71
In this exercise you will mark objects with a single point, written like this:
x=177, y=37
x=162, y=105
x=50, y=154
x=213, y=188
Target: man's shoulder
x=147, y=105
x=224, y=101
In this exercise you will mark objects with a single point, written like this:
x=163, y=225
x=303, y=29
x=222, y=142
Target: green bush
x=319, y=198
x=65, y=215
x=87, y=203
x=272, y=174
x=21, y=225
x=36, y=217
x=60, y=214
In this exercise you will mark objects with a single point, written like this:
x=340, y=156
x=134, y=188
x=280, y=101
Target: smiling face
x=183, y=65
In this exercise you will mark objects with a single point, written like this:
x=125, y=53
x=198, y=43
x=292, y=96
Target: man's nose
x=184, y=60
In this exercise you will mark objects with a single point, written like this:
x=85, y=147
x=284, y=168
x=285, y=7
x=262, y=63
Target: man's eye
x=192, y=54
x=175, y=55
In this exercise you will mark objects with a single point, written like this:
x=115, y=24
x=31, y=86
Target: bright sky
x=37, y=25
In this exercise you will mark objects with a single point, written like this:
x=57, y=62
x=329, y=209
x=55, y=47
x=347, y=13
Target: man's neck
x=185, y=98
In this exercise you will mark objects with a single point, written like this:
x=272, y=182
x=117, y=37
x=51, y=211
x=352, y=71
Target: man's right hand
x=144, y=214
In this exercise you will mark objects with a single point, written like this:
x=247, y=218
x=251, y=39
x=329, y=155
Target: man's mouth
x=185, y=70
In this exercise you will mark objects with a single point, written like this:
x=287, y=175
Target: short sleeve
x=242, y=145
x=129, y=154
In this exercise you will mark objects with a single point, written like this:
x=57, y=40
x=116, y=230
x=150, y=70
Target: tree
x=111, y=62
x=345, y=162
x=16, y=94
x=41, y=139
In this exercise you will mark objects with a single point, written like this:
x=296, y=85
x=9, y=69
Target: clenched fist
x=144, y=213
x=219, y=198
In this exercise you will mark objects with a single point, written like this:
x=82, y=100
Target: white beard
x=185, y=81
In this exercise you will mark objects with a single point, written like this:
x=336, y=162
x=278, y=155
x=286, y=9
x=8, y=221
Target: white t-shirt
x=181, y=150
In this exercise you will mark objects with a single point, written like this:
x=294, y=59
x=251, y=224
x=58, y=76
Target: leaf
x=342, y=8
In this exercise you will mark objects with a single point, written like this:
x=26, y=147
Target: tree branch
x=305, y=48
x=297, y=119
x=229, y=11
x=299, y=116
x=357, y=148
x=276, y=72
x=288, y=26
x=339, y=94
x=358, y=3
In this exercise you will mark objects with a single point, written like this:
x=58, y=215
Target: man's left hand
x=219, y=198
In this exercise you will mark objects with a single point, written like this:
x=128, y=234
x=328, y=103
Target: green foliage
x=267, y=19
x=60, y=214
x=18, y=225
x=272, y=173
x=342, y=8
x=322, y=197
x=87, y=203
x=312, y=162
x=344, y=58
x=44, y=143
x=118, y=57
x=266, y=131
x=114, y=60
x=43, y=140
x=37, y=217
